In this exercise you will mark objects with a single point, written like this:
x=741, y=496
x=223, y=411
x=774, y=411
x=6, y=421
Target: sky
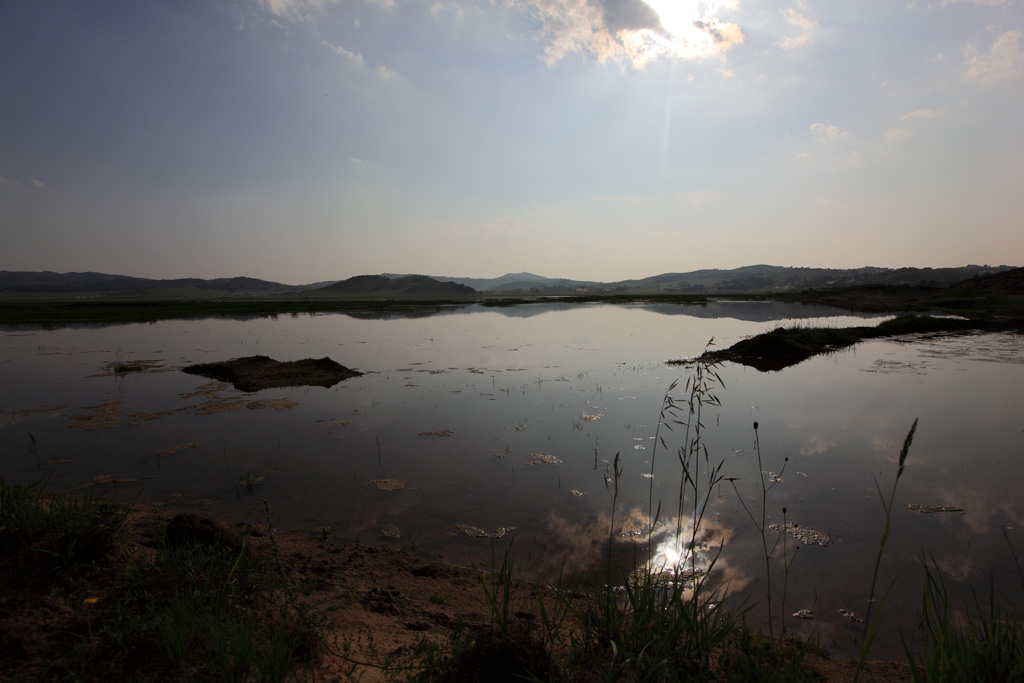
x=309, y=140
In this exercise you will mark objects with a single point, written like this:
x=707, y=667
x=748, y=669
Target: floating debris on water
x=588, y=416
x=41, y=409
x=930, y=509
x=336, y=423
x=386, y=484
x=803, y=474
x=104, y=416
x=647, y=475
x=181, y=447
x=850, y=614
x=110, y=416
x=577, y=494
x=667, y=577
x=543, y=458
x=804, y=614
x=208, y=390
x=773, y=477
x=124, y=367
x=440, y=432
x=391, y=531
x=520, y=427
x=275, y=403
x=477, y=532
x=102, y=479
x=498, y=455
x=891, y=366
x=808, y=536
x=250, y=482
x=217, y=406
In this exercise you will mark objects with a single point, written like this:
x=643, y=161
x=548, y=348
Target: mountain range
x=748, y=279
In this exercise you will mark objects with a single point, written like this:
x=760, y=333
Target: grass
x=986, y=643
x=106, y=608
x=124, y=368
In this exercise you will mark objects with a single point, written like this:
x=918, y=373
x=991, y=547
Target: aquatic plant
x=871, y=625
x=761, y=524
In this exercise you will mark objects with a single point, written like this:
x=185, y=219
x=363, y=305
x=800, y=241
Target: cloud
x=628, y=14
x=388, y=74
x=632, y=31
x=38, y=183
x=455, y=7
x=1003, y=60
x=353, y=57
x=301, y=10
x=894, y=135
x=825, y=134
x=798, y=19
x=989, y=3
x=356, y=59
x=791, y=43
x=7, y=181
x=921, y=114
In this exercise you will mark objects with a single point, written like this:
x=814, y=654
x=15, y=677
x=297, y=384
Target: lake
x=475, y=422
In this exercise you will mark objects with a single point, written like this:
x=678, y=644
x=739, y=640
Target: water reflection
x=519, y=381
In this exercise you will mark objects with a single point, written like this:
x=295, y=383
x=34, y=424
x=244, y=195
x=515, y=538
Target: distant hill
x=101, y=285
x=756, y=279
x=25, y=278
x=1006, y=283
x=487, y=284
x=416, y=286
x=749, y=279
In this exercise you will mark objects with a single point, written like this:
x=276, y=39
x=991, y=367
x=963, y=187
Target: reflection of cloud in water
x=816, y=445
x=981, y=506
x=960, y=567
x=580, y=547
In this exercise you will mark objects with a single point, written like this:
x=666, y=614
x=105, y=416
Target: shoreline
x=377, y=609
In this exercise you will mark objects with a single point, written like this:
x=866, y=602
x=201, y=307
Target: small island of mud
x=785, y=347
x=254, y=373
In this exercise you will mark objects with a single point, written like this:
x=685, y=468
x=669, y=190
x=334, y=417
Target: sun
x=691, y=29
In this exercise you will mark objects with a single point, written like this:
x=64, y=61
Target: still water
x=473, y=420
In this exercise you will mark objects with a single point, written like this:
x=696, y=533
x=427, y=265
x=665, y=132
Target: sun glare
x=692, y=29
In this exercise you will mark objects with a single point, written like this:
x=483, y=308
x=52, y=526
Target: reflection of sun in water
x=667, y=556
x=676, y=550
